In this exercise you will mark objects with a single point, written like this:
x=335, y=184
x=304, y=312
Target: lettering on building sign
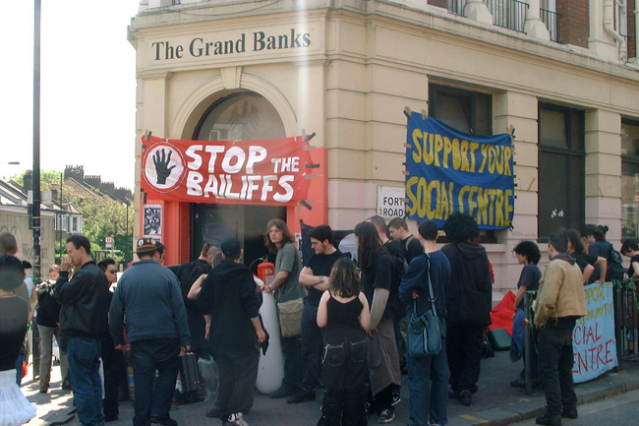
x=256, y=42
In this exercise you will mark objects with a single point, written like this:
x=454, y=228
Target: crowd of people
x=343, y=321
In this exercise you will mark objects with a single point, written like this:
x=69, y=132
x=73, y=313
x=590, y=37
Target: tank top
x=343, y=315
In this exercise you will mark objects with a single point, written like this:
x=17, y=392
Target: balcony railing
x=551, y=19
x=456, y=7
x=508, y=13
x=511, y=14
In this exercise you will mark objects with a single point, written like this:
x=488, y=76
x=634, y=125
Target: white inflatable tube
x=271, y=367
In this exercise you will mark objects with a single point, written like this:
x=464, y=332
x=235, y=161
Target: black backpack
x=615, y=263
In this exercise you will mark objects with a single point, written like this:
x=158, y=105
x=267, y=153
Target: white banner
x=593, y=339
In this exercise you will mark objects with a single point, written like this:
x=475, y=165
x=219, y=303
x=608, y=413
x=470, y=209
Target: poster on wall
x=152, y=220
x=593, y=339
x=271, y=172
x=449, y=171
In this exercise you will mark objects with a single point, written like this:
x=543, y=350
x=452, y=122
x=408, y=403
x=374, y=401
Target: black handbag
x=424, y=336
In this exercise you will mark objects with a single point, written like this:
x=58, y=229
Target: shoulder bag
x=424, y=334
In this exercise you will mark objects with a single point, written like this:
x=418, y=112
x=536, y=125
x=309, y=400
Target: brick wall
x=573, y=27
x=439, y=3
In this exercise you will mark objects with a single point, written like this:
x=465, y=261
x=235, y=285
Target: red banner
x=271, y=171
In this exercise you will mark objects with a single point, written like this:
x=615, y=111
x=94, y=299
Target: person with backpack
x=409, y=245
x=595, y=235
x=48, y=319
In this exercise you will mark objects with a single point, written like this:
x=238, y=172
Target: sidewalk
x=496, y=403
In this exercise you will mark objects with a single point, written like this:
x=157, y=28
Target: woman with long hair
x=377, y=268
x=343, y=310
x=286, y=286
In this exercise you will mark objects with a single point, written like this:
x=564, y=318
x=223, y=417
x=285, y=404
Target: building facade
x=564, y=74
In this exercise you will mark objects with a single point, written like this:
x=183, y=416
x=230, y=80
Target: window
x=75, y=225
x=466, y=111
x=561, y=169
x=240, y=116
x=630, y=178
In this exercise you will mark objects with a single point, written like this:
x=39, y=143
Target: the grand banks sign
x=235, y=44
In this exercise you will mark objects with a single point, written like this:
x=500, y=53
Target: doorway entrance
x=212, y=223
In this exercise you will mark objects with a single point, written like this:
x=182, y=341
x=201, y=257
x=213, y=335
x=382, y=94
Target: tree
x=48, y=179
x=103, y=217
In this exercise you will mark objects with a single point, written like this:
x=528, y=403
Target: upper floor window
x=561, y=169
x=466, y=111
x=630, y=178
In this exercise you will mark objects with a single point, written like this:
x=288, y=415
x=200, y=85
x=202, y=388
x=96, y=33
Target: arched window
x=240, y=116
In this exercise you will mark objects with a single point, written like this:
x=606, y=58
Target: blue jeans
x=291, y=349
x=148, y=356
x=311, y=346
x=19, y=362
x=428, y=384
x=84, y=365
x=555, y=369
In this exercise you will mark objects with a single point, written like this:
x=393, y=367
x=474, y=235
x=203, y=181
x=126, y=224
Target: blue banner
x=450, y=171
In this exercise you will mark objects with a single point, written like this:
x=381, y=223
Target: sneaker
x=214, y=413
x=165, y=421
x=465, y=397
x=570, y=413
x=396, y=398
x=452, y=393
x=282, y=392
x=386, y=416
x=235, y=419
x=548, y=420
x=517, y=384
x=301, y=397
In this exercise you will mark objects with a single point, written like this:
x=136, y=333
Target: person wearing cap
x=83, y=324
x=230, y=304
x=157, y=331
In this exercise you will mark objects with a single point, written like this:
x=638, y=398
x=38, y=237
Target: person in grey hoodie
x=157, y=329
x=464, y=337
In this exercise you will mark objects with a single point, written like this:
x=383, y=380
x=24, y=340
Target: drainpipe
x=608, y=23
x=636, y=12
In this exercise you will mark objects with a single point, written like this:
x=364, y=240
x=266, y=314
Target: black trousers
x=238, y=373
x=114, y=377
x=555, y=369
x=463, y=346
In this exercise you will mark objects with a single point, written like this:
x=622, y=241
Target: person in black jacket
x=48, y=317
x=83, y=322
x=115, y=381
x=230, y=304
x=464, y=337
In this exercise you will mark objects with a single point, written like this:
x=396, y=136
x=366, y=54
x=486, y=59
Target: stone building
x=563, y=73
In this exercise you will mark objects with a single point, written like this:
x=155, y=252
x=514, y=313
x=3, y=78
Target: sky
x=87, y=88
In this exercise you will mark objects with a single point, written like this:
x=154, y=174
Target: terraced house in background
x=563, y=73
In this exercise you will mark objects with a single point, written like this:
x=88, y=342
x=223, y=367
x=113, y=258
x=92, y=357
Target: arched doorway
x=238, y=116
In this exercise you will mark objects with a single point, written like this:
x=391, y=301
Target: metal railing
x=456, y=7
x=626, y=321
x=508, y=13
x=551, y=19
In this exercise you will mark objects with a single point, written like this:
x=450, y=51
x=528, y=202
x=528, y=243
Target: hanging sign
x=271, y=171
x=449, y=171
x=593, y=339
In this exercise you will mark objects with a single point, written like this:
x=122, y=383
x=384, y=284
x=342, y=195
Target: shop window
x=466, y=111
x=630, y=178
x=561, y=169
x=240, y=116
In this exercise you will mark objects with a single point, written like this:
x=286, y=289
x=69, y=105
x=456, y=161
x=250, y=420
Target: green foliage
x=103, y=217
x=48, y=179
